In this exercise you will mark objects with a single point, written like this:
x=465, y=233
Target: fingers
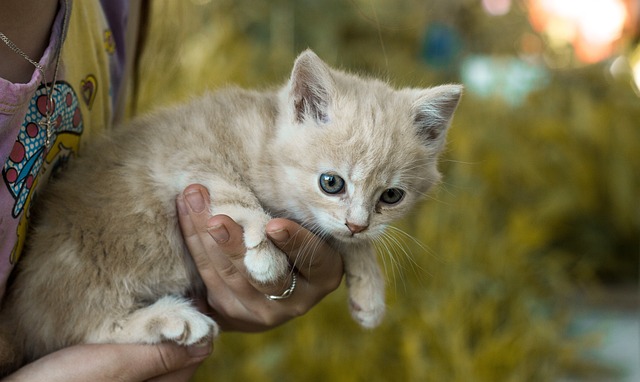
x=208, y=238
x=217, y=247
x=238, y=301
x=229, y=246
x=319, y=272
x=203, y=234
x=212, y=242
x=179, y=375
x=115, y=362
x=315, y=261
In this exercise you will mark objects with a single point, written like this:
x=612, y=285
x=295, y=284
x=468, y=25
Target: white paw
x=368, y=314
x=366, y=300
x=174, y=319
x=265, y=262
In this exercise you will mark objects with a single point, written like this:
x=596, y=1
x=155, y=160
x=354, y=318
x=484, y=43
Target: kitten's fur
x=106, y=261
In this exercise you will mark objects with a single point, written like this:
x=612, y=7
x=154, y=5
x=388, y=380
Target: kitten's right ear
x=310, y=88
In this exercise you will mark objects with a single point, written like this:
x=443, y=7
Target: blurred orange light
x=591, y=26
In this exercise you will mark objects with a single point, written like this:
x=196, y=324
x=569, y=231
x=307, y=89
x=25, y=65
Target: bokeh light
x=496, y=7
x=507, y=78
x=592, y=27
x=635, y=70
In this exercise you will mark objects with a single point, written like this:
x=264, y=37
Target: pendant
x=48, y=126
x=48, y=123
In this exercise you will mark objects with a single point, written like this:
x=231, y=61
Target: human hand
x=116, y=362
x=237, y=301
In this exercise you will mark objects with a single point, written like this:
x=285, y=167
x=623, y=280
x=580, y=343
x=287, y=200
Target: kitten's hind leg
x=171, y=318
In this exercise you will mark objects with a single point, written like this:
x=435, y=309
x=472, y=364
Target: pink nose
x=354, y=228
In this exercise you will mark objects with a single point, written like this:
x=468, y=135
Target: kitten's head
x=354, y=154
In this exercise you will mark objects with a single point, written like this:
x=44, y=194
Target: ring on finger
x=287, y=293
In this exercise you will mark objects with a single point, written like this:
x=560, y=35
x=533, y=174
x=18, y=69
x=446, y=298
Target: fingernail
x=280, y=235
x=182, y=207
x=195, y=199
x=199, y=350
x=219, y=233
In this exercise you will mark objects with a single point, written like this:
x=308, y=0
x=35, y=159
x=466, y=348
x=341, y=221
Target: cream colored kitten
x=342, y=155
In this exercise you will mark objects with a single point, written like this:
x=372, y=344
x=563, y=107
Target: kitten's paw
x=368, y=314
x=183, y=326
x=170, y=318
x=366, y=300
x=265, y=262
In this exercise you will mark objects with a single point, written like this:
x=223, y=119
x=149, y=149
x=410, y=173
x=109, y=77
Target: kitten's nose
x=354, y=228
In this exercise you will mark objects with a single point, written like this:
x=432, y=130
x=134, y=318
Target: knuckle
x=166, y=359
x=270, y=318
x=235, y=255
x=200, y=259
x=332, y=283
x=229, y=272
x=298, y=310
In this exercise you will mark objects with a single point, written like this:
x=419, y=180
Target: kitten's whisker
x=382, y=249
x=401, y=245
x=421, y=245
x=390, y=246
x=309, y=247
x=459, y=162
x=417, y=242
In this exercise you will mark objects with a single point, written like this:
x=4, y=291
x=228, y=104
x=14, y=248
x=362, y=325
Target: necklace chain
x=49, y=90
x=15, y=48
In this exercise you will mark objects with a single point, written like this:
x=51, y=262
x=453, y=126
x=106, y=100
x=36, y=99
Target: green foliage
x=536, y=200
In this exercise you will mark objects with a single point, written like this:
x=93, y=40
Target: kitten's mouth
x=352, y=237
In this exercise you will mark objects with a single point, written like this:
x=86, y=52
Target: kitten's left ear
x=310, y=88
x=433, y=111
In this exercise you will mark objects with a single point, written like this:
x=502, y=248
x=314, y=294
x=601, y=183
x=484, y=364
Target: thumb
x=165, y=358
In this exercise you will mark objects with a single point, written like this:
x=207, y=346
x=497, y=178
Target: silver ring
x=287, y=293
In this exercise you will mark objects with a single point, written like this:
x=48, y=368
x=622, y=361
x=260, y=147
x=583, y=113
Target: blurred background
x=524, y=263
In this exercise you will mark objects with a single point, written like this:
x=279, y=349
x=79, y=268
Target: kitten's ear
x=310, y=88
x=433, y=111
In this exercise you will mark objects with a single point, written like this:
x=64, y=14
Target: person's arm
x=110, y=362
x=27, y=23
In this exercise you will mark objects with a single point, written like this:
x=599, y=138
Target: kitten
x=342, y=155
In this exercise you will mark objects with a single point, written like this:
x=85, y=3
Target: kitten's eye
x=331, y=184
x=392, y=196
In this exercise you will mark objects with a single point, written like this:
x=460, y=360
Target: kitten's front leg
x=264, y=261
x=366, y=285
